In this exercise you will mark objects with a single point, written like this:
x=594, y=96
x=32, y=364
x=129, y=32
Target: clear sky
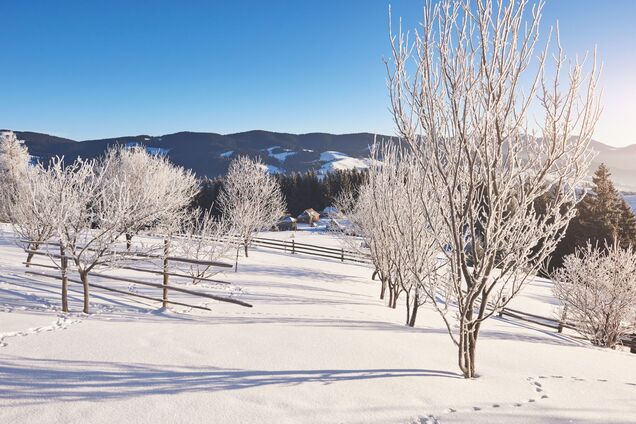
x=91, y=69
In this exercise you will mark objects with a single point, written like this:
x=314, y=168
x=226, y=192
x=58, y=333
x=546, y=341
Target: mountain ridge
x=208, y=154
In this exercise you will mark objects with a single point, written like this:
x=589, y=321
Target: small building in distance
x=330, y=212
x=309, y=216
x=287, y=223
x=341, y=226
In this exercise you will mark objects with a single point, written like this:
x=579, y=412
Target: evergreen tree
x=301, y=191
x=600, y=211
x=627, y=224
x=603, y=216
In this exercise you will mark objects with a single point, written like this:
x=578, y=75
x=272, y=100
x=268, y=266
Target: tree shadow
x=35, y=381
x=547, y=336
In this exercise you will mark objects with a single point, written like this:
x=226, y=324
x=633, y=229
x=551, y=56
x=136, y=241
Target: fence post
x=293, y=247
x=63, y=266
x=165, y=273
x=342, y=255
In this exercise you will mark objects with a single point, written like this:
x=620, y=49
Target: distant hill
x=209, y=154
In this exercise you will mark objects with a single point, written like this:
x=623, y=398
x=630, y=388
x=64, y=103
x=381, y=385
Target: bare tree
x=463, y=88
x=390, y=214
x=31, y=213
x=251, y=199
x=161, y=191
x=93, y=205
x=14, y=164
x=598, y=287
x=76, y=206
x=364, y=211
x=204, y=238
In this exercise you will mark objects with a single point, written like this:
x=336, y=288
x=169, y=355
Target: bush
x=598, y=287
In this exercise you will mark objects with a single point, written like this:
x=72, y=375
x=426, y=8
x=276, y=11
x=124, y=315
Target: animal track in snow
x=430, y=419
x=535, y=385
x=62, y=323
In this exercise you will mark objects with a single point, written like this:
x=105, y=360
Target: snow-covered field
x=334, y=161
x=318, y=346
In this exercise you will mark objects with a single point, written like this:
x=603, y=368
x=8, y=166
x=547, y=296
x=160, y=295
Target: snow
x=272, y=169
x=227, y=154
x=334, y=161
x=318, y=347
x=159, y=151
x=280, y=156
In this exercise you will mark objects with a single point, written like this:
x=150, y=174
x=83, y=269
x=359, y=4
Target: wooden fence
x=165, y=273
x=291, y=247
x=556, y=324
x=294, y=247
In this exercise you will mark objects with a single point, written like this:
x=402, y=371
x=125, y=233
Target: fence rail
x=294, y=247
x=165, y=273
x=290, y=246
x=556, y=324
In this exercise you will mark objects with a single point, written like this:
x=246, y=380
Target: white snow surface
x=280, y=156
x=334, y=161
x=159, y=151
x=272, y=169
x=318, y=346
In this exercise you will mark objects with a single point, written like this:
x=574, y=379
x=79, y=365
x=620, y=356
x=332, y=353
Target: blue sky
x=93, y=69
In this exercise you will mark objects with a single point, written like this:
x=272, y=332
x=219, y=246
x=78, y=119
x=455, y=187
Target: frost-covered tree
x=463, y=90
x=250, y=200
x=598, y=287
x=204, y=238
x=161, y=191
x=75, y=206
x=390, y=214
x=31, y=211
x=95, y=203
x=361, y=208
x=14, y=164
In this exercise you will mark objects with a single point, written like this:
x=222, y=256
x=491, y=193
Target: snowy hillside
x=209, y=153
x=337, y=161
x=317, y=347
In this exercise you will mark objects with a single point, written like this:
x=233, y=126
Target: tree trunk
x=164, y=302
x=416, y=306
x=28, y=259
x=238, y=249
x=245, y=246
x=84, y=278
x=129, y=238
x=64, y=265
x=467, y=350
x=374, y=274
x=408, y=308
x=396, y=295
x=383, y=288
x=32, y=246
